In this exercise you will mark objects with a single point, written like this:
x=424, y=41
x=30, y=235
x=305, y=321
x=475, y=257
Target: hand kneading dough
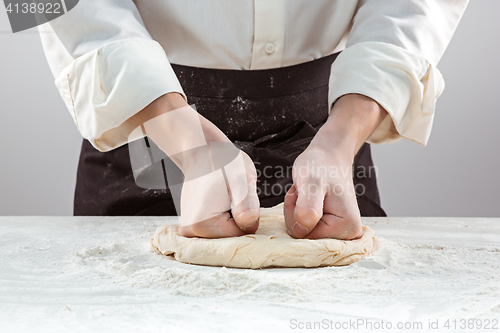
x=271, y=246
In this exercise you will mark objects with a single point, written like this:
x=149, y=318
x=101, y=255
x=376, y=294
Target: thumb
x=241, y=178
x=308, y=208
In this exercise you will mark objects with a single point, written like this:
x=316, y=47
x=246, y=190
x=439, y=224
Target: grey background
x=457, y=174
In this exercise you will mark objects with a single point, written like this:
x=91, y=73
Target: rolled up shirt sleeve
x=391, y=56
x=106, y=68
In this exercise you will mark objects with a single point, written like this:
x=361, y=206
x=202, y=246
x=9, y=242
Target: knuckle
x=307, y=212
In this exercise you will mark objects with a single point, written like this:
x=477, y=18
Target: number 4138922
x=32, y=8
x=478, y=324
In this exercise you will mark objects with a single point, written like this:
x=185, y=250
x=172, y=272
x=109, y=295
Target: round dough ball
x=271, y=246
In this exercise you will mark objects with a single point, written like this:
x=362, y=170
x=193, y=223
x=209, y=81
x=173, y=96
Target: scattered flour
x=101, y=274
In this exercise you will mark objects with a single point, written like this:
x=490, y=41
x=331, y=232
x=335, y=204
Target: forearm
x=176, y=127
x=352, y=120
x=159, y=106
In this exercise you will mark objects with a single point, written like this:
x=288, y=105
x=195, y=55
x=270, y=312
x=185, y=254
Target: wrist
x=352, y=120
x=178, y=129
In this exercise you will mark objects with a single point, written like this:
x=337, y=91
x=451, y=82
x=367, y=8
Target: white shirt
x=111, y=58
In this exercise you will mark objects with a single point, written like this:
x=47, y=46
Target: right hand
x=207, y=200
x=210, y=191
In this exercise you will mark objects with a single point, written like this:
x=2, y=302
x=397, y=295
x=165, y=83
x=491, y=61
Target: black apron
x=271, y=114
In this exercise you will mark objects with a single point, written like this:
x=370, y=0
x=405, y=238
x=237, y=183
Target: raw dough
x=271, y=246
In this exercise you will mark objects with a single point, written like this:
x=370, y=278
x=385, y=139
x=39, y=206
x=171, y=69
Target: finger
x=331, y=226
x=308, y=209
x=242, y=184
x=341, y=219
x=220, y=226
x=289, y=207
x=246, y=214
x=204, y=198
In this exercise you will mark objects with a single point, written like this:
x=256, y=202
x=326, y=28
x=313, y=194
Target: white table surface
x=98, y=274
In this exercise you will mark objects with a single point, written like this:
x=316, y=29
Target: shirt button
x=269, y=48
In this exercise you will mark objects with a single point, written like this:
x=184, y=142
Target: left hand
x=322, y=201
